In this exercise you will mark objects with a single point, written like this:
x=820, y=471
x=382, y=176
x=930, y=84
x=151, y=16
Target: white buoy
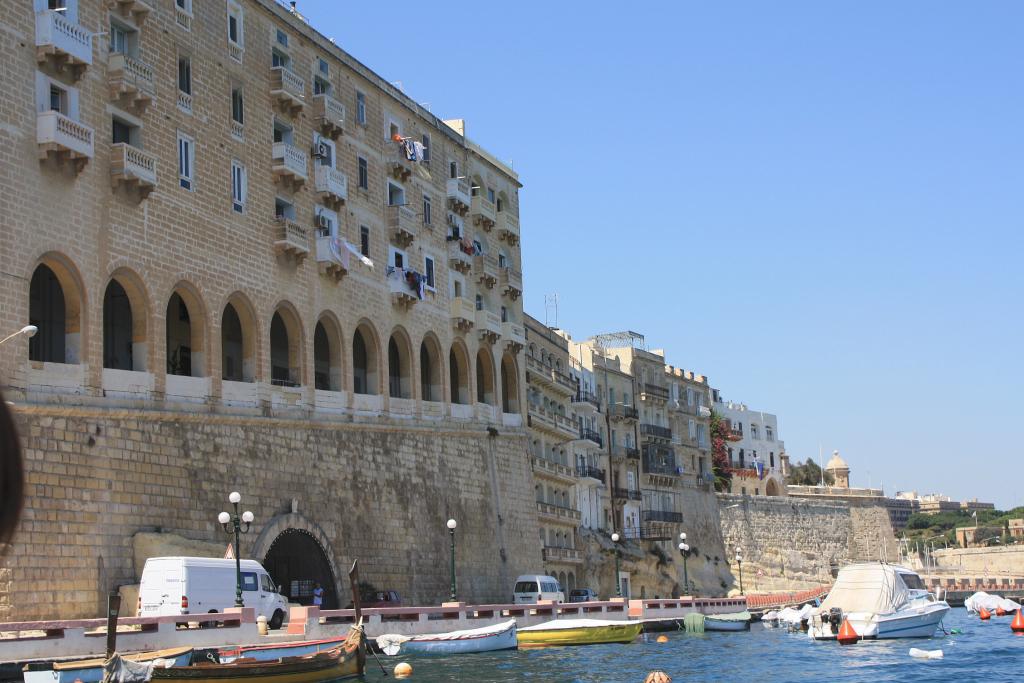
x=925, y=654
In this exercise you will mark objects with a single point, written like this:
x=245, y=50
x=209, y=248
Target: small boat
x=879, y=601
x=578, y=632
x=290, y=649
x=737, y=621
x=497, y=637
x=982, y=600
x=91, y=670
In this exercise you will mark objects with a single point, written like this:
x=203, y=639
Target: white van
x=535, y=587
x=200, y=585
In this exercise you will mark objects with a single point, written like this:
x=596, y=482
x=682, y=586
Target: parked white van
x=200, y=585
x=535, y=587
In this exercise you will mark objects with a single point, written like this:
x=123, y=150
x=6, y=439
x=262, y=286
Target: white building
x=754, y=441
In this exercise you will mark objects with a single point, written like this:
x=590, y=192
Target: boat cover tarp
x=871, y=588
x=791, y=615
x=734, y=616
x=577, y=623
x=118, y=669
x=390, y=642
x=989, y=602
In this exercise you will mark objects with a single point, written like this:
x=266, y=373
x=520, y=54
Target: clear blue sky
x=820, y=205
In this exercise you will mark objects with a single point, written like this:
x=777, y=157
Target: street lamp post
x=618, y=583
x=232, y=524
x=739, y=562
x=684, y=550
x=29, y=330
x=451, y=532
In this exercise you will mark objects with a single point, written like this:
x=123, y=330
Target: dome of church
x=836, y=463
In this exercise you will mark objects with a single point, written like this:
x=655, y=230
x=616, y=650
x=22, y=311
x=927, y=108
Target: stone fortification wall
x=379, y=492
x=979, y=561
x=792, y=543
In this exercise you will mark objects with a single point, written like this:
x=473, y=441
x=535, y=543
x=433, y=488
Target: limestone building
x=255, y=265
x=756, y=452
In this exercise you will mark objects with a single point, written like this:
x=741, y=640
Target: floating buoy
x=984, y=614
x=847, y=636
x=658, y=677
x=925, y=654
x=1017, y=625
x=662, y=639
x=1000, y=612
x=403, y=670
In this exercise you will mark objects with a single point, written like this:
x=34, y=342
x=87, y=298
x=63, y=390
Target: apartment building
x=756, y=452
x=214, y=212
x=592, y=447
x=690, y=418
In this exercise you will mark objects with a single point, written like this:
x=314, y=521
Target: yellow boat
x=578, y=632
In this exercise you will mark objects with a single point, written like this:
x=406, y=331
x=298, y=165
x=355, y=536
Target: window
x=426, y=148
x=186, y=160
x=753, y=431
x=284, y=209
x=321, y=84
x=397, y=258
x=360, y=108
x=124, y=132
x=237, y=106
x=122, y=39
x=266, y=584
x=281, y=38
x=692, y=430
x=278, y=58
x=504, y=319
x=502, y=260
x=249, y=582
x=185, y=75
x=185, y=5
x=282, y=132
x=364, y=240
x=239, y=188
x=426, y=210
x=428, y=267
x=500, y=204
x=769, y=434
x=59, y=99
x=453, y=169
x=323, y=151
x=490, y=195
x=479, y=303
x=235, y=35
x=364, y=174
x=396, y=195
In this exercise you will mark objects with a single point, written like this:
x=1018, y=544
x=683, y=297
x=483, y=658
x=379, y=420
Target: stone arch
x=365, y=359
x=485, y=376
x=125, y=322
x=278, y=530
x=771, y=487
x=56, y=301
x=185, y=324
x=571, y=582
x=239, y=340
x=286, y=346
x=328, y=372
x=458, y=373
x=561, y=579
x=399, y=364
x=509, y=384
x=431, y=369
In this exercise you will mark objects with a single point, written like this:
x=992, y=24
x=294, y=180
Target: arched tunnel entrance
x=297, y=562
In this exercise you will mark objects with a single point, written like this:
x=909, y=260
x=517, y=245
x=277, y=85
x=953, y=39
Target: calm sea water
x=986, y=651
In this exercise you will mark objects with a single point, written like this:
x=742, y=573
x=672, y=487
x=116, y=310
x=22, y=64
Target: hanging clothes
x=419, y=149
x=358, y=254
x=409, y=148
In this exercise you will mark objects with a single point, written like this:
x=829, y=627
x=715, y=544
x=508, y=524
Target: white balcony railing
x=330, y=114
x=488, y=324
x=290, y=238
x=289, y=162
x=508, y=227
x=482, y=210
x=330, y=256
x=402, y=224
x=513, y=333
x=287, y=87
x=458, y=193
x=61, y=38
x=331, y=182
x=185, y=102
x=463, y=313
x=485, y=267
x=59, y=134
x=132, y=166
x=128, y=76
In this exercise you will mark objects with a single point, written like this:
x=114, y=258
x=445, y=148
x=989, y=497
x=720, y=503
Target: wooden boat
x=290, y=649
x=488, y=639
x=578, y=632
x=737, y=621
x=91, y=670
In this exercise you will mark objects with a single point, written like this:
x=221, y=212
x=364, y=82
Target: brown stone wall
x=380, y=492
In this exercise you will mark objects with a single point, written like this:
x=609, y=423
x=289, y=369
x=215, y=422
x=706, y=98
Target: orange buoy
x=984, y=614
x=662, y=639
x=847, y=636
x=1000, y=612
x=1017, y=625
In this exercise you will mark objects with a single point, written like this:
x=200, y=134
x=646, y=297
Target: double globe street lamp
x=684, y=550
x=451, y=524
x=739, y=563
x=233, y=525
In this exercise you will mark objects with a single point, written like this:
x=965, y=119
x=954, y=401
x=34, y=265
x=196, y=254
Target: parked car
x=379, y=599
x=201, y=585
x=531, y=588
x=582, y=595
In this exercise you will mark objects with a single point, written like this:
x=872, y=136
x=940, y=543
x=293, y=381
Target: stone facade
x=234, y=265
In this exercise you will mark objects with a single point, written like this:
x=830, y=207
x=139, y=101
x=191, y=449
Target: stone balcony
x=460, y=258
x=482, y=211
x=63, y=139
x=514, y=335
x=402, y=225
x=488, y=325
x=557, y=513
x=288, y=89
x=130, y=81
x=330, y=258
x=511, y=282
x=135, y=11
x=655, y=431
x=592, y=436
x=485, y=267
x=289, y=165
x=182, y=17
x=554, y=471
x=64, y=43
x=185, y=102
x=332, y=184
x=590, y=472
x=463, y=313
x=620, y=412
x=625, y=452
x=458, y=195
x=626, y=494
x=132, y=168
x=329, y=115
x=290, y=238
x=508, y=227
x=396, y=163
x=653, y=392
x=567, y=555
x=403, y=295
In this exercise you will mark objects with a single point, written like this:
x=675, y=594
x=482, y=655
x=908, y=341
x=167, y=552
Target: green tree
x=808, y=474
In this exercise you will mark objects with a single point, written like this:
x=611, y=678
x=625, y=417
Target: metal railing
x=591, y=435
x=656, y=431
x=627, y=494
x=624, y=412
x=591, y=472
x=662, y=516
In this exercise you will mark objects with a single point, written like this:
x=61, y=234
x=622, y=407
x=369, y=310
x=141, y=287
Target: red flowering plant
x=721, y=467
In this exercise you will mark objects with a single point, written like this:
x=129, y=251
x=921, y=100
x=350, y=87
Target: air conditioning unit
x=321, y=150
x=322, y=221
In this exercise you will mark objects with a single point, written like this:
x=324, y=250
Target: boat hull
x=920, y=624
x=461, y=646
x=711, y=624
x=91, y=670
x=586, y=635
x=268, y=652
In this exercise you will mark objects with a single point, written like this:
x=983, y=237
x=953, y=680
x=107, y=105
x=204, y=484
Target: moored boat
x=290, y=649
x=879, y=601
x=737, y=621
x=578, y=632
x=91, y=670
x=487, y=639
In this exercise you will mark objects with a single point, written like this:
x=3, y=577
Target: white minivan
x=200, y=585
x=536, y=587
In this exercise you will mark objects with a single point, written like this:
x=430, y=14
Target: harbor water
x=985, y=651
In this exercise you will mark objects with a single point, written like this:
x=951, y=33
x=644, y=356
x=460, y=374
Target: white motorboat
x=879, y=601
